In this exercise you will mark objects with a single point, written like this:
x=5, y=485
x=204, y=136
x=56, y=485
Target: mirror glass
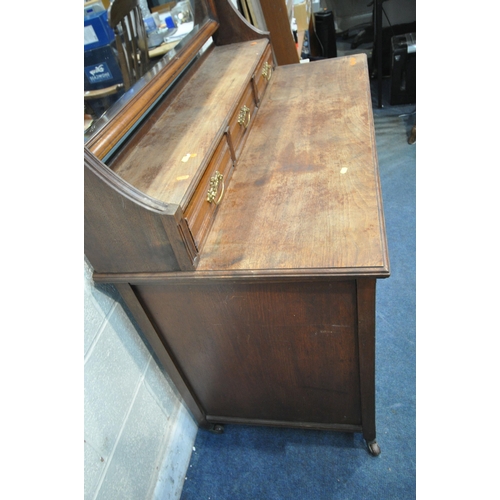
x=170, y=25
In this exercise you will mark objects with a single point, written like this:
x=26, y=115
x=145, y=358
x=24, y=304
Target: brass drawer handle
x=244, y=116
x=215, y=180
x=267, y=70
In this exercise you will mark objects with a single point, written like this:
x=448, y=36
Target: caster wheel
x=374, y=448
x=217, y=429
x=413, y=135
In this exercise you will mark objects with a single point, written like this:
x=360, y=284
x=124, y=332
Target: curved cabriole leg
x=374, y=448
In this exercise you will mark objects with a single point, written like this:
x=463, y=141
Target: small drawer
x=263, y=74
x=202, y=207
x=241, y=121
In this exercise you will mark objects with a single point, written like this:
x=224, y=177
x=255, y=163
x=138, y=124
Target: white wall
x=138, y=435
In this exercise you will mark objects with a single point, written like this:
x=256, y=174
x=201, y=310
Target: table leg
x=366, y=346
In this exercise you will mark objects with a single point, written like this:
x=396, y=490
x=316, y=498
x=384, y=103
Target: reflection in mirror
x=165, y=27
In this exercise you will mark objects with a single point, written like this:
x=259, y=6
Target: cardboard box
x=289, y=9
x=302, y=14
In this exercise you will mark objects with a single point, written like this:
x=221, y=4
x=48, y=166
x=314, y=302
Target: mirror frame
x=147, y=92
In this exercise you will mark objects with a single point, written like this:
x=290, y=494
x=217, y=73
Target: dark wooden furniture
x=242, y=223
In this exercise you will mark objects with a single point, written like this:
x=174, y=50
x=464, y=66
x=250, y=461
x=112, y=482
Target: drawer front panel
x=202, y=207
x=263, y=74
x=241, y=121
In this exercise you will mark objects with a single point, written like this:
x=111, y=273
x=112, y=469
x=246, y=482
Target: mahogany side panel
x=149, y=331
x=366, y=333
x=260, y=350
x=233, y=27
x=123, y=234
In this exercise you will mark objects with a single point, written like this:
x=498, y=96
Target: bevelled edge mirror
x=110, y=128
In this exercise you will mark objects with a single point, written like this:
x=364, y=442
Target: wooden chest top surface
x=174, y=148
x=305, y=195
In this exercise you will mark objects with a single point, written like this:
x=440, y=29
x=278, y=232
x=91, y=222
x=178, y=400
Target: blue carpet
x=254, y=463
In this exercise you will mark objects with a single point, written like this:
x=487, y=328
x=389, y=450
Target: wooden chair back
x=124, y=17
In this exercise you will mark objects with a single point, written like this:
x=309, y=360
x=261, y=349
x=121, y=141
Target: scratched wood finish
x=170, y=159
x=124, y=231
x=201, y=212
x=263, y=350
x=276, y=326
x=162, y=167
x=306, y=192
x=116, y=129
x=263, y=75
x=233, y=28
x=239, y=128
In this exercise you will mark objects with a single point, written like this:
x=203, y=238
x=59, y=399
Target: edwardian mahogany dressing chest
x=242, y=222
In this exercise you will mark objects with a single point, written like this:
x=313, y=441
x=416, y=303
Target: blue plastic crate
x=97, y=32
x=101, y=68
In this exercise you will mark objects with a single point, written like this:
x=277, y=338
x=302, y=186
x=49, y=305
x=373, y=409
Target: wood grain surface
x=103, y=142
x=170, y=159
x=262, y=350
x=306, y=191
